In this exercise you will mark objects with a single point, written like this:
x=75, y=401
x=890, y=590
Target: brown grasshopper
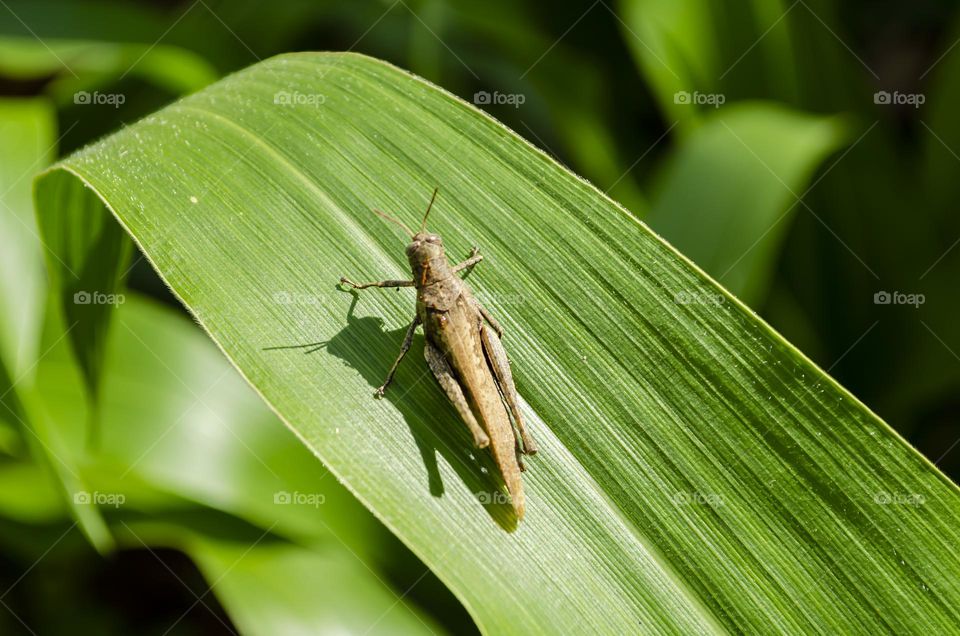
x=465, y=356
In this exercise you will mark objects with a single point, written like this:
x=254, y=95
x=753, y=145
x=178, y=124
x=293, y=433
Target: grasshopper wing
x=456, y=333
x=500, y=365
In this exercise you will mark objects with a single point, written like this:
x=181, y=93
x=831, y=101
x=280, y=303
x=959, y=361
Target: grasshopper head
x=426, y=243
x=425, y=251
x=426, y=254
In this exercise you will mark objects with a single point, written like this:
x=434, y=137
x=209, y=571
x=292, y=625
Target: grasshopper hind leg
x=490, y=320
x=451, y=386
x=497, y=357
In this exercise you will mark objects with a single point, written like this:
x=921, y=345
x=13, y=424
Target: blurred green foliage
x=803, y=193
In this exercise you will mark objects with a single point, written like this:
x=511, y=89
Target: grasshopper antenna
x=386, y=216
x=423, y=224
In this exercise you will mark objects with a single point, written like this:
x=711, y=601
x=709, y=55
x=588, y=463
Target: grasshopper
x=463, y=351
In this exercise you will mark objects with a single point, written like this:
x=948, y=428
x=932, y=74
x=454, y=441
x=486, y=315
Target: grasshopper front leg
x=407, y=340
x=382, y=283
x=475, y=257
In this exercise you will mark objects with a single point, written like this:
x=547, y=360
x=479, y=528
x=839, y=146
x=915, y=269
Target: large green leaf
x=697, y=473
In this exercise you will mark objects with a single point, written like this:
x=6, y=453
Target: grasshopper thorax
x=428, y=260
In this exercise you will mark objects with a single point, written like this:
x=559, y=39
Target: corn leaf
x=697, y=474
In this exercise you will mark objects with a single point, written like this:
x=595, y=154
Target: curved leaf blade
x=696, y=472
